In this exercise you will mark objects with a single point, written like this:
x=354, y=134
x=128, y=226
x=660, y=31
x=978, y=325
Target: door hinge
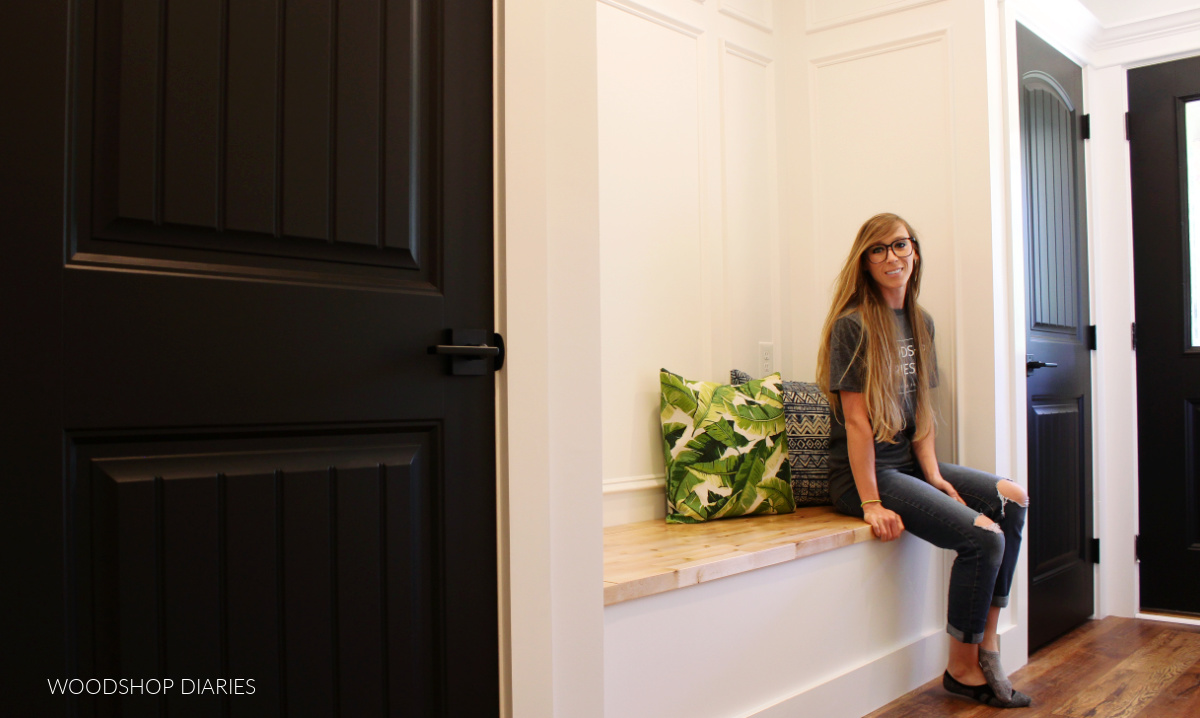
x=1091, y=337
x=1137, y=547
x=1126, y=125
x=1085, y=127
x=1133, y=335
x=1095, y=547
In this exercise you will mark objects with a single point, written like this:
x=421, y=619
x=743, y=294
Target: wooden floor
x=1112, y=668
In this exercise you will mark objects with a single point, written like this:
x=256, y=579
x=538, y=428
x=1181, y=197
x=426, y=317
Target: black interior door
x=1058, y=382
x=1168, y=352
x=231, y=461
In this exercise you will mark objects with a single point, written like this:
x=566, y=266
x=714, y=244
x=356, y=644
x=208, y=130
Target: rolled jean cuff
x=964, y=637
x=1000, y=601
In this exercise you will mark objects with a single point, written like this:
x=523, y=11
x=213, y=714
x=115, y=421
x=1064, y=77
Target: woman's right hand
x=884, y=522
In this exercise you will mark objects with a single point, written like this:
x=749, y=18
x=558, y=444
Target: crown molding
x=1151, y=29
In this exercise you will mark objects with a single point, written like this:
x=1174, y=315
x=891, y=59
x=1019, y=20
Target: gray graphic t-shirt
x=846, y=368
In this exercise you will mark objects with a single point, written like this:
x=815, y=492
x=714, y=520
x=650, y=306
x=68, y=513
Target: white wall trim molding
x=625, y=484
x=745, y=54
x=1151, y=29
x=1167, y=618
x=939, y=35
x=635, y=499
x=551, y=311
x=765, y=24
x=869, y=686
x=1072, y=30
x=656, y=17
x=1145, y=42
x=810, y=7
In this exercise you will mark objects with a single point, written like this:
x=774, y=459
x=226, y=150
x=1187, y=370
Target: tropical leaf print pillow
x=725, y=449
x=806, y=415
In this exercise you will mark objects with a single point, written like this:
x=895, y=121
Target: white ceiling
x=1119, y=12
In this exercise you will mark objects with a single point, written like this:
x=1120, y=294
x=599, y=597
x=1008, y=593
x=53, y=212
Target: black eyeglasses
x=901, y=248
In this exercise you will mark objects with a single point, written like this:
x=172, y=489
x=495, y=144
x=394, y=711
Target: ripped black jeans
x=987, y=558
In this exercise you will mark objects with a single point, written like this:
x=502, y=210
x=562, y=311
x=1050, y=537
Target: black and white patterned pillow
x=806, y=417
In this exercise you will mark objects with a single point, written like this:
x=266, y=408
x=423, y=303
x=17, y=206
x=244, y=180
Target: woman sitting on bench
x=877, y=366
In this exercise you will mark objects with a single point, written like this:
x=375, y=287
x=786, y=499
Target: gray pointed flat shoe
x=989, y=661
x=984, y=693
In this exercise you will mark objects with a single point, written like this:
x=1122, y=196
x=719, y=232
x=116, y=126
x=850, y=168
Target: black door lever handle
x=465, y=350
x=469, y=350
x=1031, y=365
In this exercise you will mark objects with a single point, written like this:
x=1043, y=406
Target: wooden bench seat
x=649, y=557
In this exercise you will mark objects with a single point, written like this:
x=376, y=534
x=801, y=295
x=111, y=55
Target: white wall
x=834, y=635
x=722, y=142
x=889, y=124
x=690, y=268
x=737, y=161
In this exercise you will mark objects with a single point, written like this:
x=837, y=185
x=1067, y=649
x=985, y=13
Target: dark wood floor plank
x=1146, y=668
x=1181, y=699
x=1056, y=673
x=1078, y=658
x=1135, y=682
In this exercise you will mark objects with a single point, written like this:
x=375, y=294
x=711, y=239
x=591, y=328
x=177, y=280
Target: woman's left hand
x=946, y=487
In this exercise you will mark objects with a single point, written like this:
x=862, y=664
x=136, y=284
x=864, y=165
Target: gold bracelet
x=870, y=501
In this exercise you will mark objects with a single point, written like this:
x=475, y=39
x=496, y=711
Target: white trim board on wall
x=551, y=520
x=826, y=14
x=654, y=16
x=755, y=13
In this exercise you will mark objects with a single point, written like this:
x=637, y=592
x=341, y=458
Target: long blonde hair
x=856, y=291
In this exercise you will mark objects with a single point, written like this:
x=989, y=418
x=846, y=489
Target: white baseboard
x=635, y=498
x=873, y=684
x=1169, y=618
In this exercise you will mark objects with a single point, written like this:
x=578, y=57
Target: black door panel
x=1168, y=368
x=1058, y=382
x=260, y=555
x=197, y=351
x=229, y=454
